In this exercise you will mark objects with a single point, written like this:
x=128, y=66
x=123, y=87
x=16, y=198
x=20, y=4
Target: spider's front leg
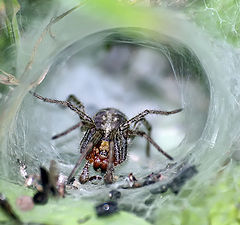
x=83, y=116
x=86, y=121
x=141, y=116
x=73, y=99
x=81, y=158
x=108, y=177
x=84, y=177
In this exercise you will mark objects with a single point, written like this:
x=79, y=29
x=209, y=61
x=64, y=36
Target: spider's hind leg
x=149, y=132
x=80, y=124
x=151, y=141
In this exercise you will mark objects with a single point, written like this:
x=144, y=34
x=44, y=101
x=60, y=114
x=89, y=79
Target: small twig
x=7, y=78
x=8, y=210
x=40, y=79
x=46, y=30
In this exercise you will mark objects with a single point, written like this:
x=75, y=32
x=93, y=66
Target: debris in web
x=48, y=183
x=8, y=210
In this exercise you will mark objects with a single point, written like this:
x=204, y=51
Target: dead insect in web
x=181, y=178
x=41, y=197
x=105, y=142
x=132, y=181
x=175, y=185
x=52, y=184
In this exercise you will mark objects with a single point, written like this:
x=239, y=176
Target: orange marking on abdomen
x=99, y=156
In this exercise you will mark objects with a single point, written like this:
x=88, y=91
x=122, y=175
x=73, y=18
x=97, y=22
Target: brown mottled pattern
x=109, y=119
x=105, y=142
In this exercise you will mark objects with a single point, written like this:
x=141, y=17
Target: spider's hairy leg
x=80, y=124
x=120, y=145
x=141, y=115
x=149, y=139
x=68, y=130
x=84, y=177
x=94, y=139
x=108, y=178
x=91, y=135
x=72, y=98
x=83, y=116
x=81, y=158
x=149, y=132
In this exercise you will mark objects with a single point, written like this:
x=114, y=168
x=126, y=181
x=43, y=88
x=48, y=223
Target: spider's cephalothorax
x=105, y=142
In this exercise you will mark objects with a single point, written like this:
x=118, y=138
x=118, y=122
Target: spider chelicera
x=105, y=141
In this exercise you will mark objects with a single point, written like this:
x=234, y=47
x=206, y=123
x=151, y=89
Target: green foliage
x=32, y=10
x=64, y=211
x=9, y=34
x=216, y=203
x=219, y=18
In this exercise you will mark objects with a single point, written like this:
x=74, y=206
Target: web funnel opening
x=172, y=77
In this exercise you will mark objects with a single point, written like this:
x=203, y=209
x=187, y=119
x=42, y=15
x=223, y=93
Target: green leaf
x=62, y=211
x=11, y=8
x=220, y=18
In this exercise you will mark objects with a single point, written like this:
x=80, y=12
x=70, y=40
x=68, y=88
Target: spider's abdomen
x=109, y=119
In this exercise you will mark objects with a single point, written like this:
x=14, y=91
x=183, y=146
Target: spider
x=105, y=141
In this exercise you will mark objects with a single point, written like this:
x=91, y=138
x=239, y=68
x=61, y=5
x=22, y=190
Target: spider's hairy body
x=104, y=143
x=107, y=122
